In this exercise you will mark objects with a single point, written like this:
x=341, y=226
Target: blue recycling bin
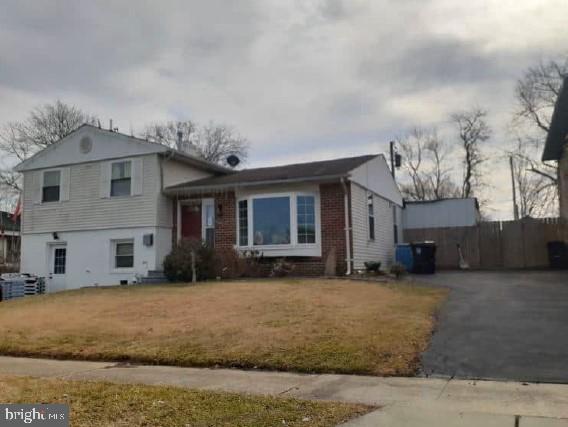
x=403, y=256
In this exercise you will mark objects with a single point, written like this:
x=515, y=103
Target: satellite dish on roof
x=233, y=160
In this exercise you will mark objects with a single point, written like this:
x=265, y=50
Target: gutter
x=347, y=227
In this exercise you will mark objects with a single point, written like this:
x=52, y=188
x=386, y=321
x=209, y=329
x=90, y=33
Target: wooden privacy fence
x=495, y=244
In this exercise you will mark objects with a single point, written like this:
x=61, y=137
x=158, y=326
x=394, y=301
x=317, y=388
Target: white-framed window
x=242, y=222
x=306, y=218
x=271, y=221
x=123, y=254
x=280, y=220
x=51, y=186
x=371, y=215
x=121, y=178
x=208, y=221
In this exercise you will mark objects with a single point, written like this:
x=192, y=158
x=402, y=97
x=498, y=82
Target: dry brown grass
x=302, y=325
x=112, y=405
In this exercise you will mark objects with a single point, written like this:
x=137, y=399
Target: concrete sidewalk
x=404, y=401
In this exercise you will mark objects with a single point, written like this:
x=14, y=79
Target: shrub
x=230, y=263
x=178, y=264
x=281, y=268
x=252, y=264
x=397, y=270
x=373, y=266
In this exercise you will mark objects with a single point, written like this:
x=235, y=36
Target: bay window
x=243, y=223
x=306, y=219
x=279, y=222
x=271, y=221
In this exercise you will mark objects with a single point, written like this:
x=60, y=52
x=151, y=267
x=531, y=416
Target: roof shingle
x=308, y=171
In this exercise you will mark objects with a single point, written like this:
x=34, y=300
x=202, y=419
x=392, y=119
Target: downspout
x=347, y=227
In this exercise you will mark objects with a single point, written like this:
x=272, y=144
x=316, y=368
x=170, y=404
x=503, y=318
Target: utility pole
x=515, y=207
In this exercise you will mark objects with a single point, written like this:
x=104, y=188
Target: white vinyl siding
x=382, y=247
x=85, y=209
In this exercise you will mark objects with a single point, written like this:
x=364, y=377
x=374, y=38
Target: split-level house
x=556, y=146
x=102, y=208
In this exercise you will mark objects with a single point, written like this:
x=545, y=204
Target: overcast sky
x=302, y=80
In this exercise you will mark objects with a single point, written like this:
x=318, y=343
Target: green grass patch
x=105, y=404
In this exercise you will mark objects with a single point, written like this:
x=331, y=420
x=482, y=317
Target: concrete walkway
x=404, y=401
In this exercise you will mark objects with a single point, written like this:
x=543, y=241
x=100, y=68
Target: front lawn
x=105, y=404
x=335, y=326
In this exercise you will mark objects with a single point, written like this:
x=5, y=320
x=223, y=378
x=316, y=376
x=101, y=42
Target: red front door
x=191, y=222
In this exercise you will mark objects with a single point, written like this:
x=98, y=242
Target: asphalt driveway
x=501, y=325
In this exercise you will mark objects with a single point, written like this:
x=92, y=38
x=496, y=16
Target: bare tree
x=426, y=162
x=214, y=142
x=472, y=132
x=167, y=133
x=536, y=93
x=536, y=193
x=44, y=126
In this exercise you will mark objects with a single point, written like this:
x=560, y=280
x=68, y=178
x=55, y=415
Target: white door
x=57, y=268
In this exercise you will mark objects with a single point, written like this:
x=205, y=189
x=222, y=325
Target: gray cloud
x=301, y=79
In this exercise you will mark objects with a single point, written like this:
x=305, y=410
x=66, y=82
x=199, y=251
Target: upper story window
x=271, y=221
x=306, y=213
x=51, y=187
x=280, y=220
x=371, y=213
x=121, y=179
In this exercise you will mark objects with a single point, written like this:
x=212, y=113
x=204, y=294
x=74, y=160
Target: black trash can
x=424, y=254
x=558, y=255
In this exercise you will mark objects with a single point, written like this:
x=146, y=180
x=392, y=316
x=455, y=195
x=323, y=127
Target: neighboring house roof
x=466, y=199
x=558, y=130
x=148, y=147
x=7, y=223
x=299, y=172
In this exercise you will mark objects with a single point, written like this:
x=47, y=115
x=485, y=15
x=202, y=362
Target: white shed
x=441, y=213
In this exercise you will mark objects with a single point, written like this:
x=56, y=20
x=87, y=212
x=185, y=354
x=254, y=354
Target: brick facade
x=333, y=223
x=225, y=220
x=332, y=230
